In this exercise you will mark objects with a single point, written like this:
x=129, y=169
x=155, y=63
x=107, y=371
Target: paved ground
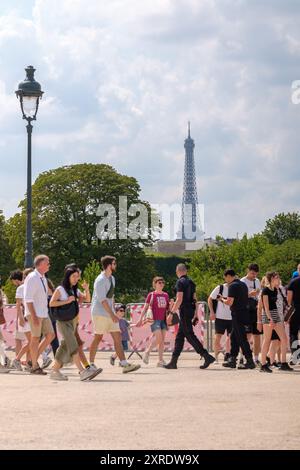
x=152, y=409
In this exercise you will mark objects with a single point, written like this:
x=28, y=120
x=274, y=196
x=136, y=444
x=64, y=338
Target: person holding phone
x=221, y=314
x=237, y=300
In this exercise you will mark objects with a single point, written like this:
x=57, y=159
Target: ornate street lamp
x=29, y=93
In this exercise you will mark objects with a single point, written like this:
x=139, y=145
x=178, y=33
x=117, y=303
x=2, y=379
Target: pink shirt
x=159, y=304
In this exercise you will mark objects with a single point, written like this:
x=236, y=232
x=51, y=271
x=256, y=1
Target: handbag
x=149, y=313
x=289, y=312
x=172, y=319
x=65, y=312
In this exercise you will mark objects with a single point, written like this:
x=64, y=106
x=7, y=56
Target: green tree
x=283, y=227
x=65, y=202
x=208, y=264
x=283, y=258
x=10, y=291
x=6, y=259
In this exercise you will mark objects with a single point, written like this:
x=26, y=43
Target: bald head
x=181, y=269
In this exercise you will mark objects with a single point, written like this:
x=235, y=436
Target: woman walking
x=272, y=319
x=22, y=323
x=68, y=294
x=158, y=300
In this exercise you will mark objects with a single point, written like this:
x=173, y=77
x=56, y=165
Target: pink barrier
x=139, y=337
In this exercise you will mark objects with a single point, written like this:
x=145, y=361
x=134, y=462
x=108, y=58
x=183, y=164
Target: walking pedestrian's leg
x=179, y=343
x=94, y=346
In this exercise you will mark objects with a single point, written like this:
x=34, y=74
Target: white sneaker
x=130, y=368
x=93, y=367
x=89, y=374
x=16, y=365
x=3, y=370
x=57, y=375
x=161, y=364
x=46, y=362
x=7, y=363
x=146, y=358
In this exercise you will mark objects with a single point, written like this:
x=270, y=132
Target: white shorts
x=25, y=328
x=104, y=325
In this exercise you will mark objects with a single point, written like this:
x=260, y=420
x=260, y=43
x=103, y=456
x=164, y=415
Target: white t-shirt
x=250, y=285
x=63, y=294
x=102, y=286
x=20, y=292
x=36, y=292
x=223, y=311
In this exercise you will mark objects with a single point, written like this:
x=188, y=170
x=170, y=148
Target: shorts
x=125, y=345
x=44, y=328
x=25, y=328
x=274, y=315
x=252, y=327
x=275, y=336
x=19, y=336
x=104, y=325
x=222, y=325
x=158, y=325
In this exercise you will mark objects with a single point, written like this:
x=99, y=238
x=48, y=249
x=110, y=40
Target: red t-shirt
x=159, y=304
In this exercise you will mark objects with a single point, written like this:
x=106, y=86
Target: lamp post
x=29, y=94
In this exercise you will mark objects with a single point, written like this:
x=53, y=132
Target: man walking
x=186, y=303
x=223, y=321
x=36, y=311
x=238, y=301
x=293, y=295
x=252, y=282
x=104, y=317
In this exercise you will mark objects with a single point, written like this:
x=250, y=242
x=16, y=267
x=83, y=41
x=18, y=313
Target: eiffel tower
x=190, y=226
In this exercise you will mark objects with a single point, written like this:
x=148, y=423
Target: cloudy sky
x=123, y=77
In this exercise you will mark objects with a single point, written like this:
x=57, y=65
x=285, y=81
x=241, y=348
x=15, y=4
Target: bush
x=10, y=291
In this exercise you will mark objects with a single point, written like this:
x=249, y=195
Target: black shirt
x=187, y=286
x=239, y=291
x=294, y=286
x=272, y=296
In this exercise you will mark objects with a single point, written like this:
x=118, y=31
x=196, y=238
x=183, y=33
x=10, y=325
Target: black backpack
x=215, y=301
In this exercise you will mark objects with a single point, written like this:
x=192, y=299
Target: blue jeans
x=125, y=345
x=158, y=325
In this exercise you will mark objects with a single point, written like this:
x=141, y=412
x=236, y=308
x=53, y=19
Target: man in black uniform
x=238, y=301
x=293, y=293
x=186, y=303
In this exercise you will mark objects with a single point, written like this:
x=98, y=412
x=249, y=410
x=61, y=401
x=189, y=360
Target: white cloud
x=123, y=77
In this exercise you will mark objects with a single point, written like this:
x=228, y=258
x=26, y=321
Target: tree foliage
x=65, y=202
x=283, y=227
x=6, y=259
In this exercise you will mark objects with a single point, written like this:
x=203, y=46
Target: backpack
x=215, y=301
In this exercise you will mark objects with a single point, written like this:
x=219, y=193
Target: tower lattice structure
x=190, y=226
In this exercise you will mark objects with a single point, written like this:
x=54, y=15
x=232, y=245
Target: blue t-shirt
x=124, y=325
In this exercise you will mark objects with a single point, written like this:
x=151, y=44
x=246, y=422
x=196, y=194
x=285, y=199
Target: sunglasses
x=160, y=282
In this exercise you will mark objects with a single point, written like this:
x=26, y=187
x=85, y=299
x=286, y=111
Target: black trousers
x=186, y=331
x=239, y=338
x=294, y=329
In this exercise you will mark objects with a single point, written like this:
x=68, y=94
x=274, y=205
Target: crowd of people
x=246, y=310
x=249, y=318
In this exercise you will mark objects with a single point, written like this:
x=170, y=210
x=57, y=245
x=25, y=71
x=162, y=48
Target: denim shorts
x=158, y=325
